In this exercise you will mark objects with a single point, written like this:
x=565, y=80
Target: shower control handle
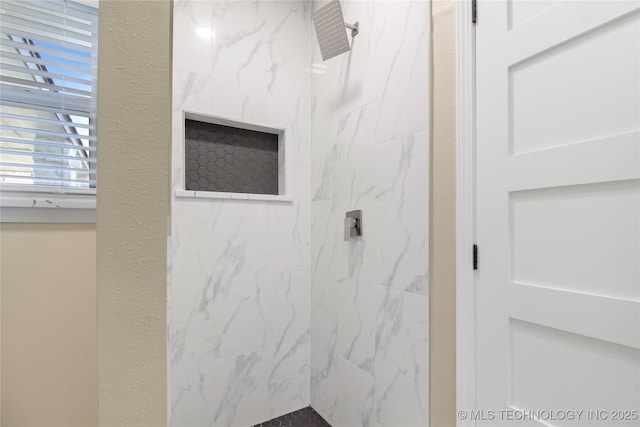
x=349, y=227
x=352, y=224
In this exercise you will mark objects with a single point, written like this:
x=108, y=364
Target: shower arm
x=355, y=28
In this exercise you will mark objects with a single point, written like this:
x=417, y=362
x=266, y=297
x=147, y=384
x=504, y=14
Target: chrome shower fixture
x=330, y=29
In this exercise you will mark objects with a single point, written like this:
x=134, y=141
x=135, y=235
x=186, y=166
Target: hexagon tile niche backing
x=229, y=159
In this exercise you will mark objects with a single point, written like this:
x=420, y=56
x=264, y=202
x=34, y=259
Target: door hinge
x=474, y=11
x=475, y=257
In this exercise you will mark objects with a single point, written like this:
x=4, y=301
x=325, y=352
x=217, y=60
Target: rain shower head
x=330, y=29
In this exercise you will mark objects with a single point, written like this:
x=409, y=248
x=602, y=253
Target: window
x=48, y=69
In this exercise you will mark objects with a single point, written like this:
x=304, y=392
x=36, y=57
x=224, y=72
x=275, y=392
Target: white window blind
x=48, y=89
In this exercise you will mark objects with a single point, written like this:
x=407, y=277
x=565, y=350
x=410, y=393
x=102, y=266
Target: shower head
x=330, y=29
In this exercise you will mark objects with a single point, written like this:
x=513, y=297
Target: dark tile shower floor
x=305, y=417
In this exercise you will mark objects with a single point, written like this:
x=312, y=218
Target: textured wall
x=49, y=366
x=370, y=150
x=239, y=273
x=442, y=308
x=134, y=115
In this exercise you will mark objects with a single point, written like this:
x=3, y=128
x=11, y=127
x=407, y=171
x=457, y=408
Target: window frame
x=48, y=204
x=21, y=203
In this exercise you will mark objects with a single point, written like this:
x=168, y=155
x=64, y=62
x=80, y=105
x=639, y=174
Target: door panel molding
x=566, y=174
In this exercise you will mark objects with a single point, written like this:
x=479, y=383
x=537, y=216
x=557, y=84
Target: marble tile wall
x=239, y=272
x=270, y=309
x=370, y=151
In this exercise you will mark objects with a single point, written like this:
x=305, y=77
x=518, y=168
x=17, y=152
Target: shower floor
x=305, y=417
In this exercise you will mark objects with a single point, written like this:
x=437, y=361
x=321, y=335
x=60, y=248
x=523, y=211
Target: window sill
x=189, y=194
x=38, y=205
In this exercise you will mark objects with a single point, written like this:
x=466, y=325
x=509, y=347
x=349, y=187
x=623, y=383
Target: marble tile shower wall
x=370, y=150
x=239, y=270
x=242, y=274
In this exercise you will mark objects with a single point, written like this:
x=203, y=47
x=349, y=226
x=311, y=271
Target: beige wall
x=134, y=116
x=443, y=181
x=48, y=309
x=48, y=271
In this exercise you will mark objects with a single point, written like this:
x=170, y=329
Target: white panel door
x=558, y=212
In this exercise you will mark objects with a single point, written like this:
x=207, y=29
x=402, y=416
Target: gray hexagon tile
x=305, y=417
x=228, y=159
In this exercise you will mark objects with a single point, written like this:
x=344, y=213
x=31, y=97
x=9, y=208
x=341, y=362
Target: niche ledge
x=188, y=194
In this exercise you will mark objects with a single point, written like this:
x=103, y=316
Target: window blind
x=48, y=90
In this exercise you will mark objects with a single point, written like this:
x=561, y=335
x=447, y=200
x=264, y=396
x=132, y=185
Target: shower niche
x=226, y=156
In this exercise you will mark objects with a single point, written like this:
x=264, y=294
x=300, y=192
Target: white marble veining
x=286, y=302
x=328, y=254
x=324, y=376
x=208, y=272
x=355, y=403
x=191, y=374
x=402, y=355
x=357, y=313
x=370, y=151
x=254, y=54
x=240, y=285
x=288, y=232
x=240, y=389
x=401, y=190
x=401, y=39
x=270, y=309
x=288, y=395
